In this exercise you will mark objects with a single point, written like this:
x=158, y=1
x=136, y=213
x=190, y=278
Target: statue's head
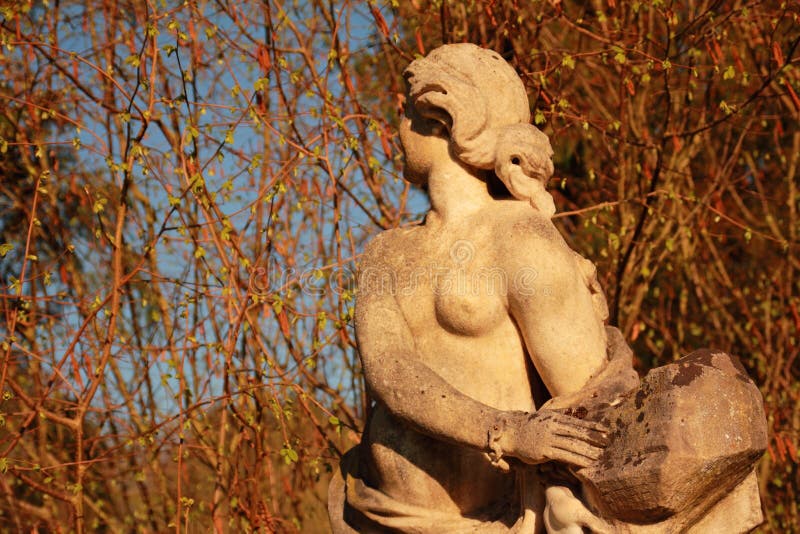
x=467, y=88
x=481, y=103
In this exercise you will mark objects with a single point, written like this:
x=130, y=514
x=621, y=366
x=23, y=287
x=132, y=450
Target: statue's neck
x=455, y=192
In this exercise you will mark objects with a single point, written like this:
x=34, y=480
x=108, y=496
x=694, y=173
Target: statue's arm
x=552, y=306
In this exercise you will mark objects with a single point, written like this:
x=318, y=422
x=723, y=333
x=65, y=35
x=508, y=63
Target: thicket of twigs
x=186, y=187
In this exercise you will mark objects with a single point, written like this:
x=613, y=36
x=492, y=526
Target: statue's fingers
x=581, y=435
x=578, y=445
x=598, y=439
x=582, y=426
x=589, y=425
x=580, y=456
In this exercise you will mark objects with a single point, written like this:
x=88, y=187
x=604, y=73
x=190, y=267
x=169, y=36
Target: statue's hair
x=480, y=98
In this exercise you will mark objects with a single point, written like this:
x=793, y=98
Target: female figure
x=470, y=322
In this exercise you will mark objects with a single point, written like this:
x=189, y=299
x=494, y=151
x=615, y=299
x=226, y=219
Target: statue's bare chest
x=453, y=283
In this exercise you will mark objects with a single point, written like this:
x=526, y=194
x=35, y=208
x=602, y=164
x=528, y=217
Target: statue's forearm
x=418, y=396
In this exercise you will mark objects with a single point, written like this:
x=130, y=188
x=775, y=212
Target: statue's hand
x=550, y=435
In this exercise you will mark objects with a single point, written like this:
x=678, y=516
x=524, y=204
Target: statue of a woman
x=469, y=322
x=477, y=328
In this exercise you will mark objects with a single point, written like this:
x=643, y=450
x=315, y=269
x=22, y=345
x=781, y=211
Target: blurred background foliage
x=186, y=188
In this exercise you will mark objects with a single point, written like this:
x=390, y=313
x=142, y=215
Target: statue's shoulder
x=381, y=265
x=524, y=238
x=384, y=245
x=522, y=227
x=385, y=240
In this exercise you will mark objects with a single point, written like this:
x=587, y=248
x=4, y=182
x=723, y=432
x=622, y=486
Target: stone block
x=684, y=439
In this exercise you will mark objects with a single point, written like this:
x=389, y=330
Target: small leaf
x=289, y=454
x=133, y=60
x=99, y=205
x=729, y=73
x=5, y=248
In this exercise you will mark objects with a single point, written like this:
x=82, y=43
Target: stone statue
x=503, y=402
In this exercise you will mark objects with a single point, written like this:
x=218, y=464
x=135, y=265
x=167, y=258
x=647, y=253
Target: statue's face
x=424, y=143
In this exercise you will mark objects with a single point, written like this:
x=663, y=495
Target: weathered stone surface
x=468, y=323
x=463, y=321
x=686, y=438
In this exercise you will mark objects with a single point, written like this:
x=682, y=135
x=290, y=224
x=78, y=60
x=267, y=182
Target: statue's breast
x=470, y=302
x=442, y=277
